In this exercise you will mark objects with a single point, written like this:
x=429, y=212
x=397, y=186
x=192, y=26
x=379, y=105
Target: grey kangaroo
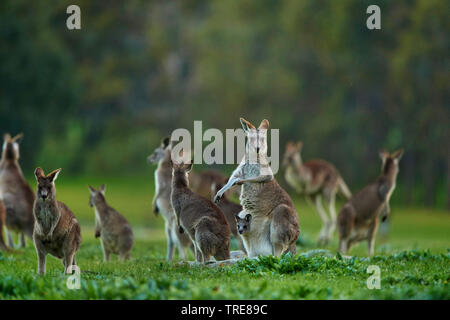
x=201, y=219
x=359, y=217
x=16, y=193
x=315, y=179
x=56, y=231
x=275, y=226
x=115, y=231
x=162, y=202
x=230, y=210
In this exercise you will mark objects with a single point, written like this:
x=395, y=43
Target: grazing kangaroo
x=230, y=210
x=315, y=179
x=359, y=217
x=115, y=231
x=275, y=226
x=2, y=224
x=16, y=193
x=201, y=219
x=162, y=201
x=201, y=182
x=56, y=231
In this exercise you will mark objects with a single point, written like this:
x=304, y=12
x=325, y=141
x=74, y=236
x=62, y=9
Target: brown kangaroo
x=162, y=201
x=56, y=231
x=359, y=217
x=2, y=224
x=315, y=179
x=230, y=210
x=201, y=182
x=16, y=193
x=115, y=231
x=275, y=226
x=201, y=219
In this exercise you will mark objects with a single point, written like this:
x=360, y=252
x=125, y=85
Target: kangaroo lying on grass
x=201, y=219
x=17, y=195
x=359, y=217
x=162, y=201
x=56, y=230
x=115, y=231
x=316, y=179
x=230, y=210
x=2, y=223
x=275, y=227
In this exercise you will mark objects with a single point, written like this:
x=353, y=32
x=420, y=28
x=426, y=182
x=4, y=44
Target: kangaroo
x=17, y=195
x=315, y=179
x=201, y=219
x=243, y=224
x=2, y=223
x=200, y=182
x=275, y=226
x=115, y=231
x=162, y=202
x=230, y=210
x=56, y=231
x=359, y=217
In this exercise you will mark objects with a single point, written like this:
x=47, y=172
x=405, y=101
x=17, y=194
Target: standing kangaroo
x=162, y=201
x=2, y=223
x=17, y=195
x=359, y=217
x=115, y=231
x=56, y=230
x=275, y=226
x=315, y=179
x=201, y=219
x=230, y=210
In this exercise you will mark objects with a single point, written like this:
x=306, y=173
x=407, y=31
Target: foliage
x=100, y=98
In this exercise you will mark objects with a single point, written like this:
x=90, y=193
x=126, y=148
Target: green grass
x=414, y=259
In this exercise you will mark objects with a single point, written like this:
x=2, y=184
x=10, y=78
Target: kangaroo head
x=46, y=184
x=10, y=148
x=243, y=224
x=292, y=153
x=180, y=171
x=389, y=162
x=160, y=152
x=96, y=195
x=256, y=137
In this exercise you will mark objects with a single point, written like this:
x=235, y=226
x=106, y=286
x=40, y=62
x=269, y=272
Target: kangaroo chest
x=47, y=218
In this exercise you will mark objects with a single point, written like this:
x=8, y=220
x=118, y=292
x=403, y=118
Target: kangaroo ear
x=236, y=216
x=383, y=155
x=91, y=189
x=165, y=142
x=299, y=145
x=264, y=124
x=18, y=138
x=39, y=173
x=398, y=154
x=246, y=125
x=54, y=174
x=102, y=189
x=248, y=217
x=188, y=166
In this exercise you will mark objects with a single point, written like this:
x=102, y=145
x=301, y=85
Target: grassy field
x=414, y=259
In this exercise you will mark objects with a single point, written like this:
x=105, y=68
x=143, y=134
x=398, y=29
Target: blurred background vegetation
x=97, y=101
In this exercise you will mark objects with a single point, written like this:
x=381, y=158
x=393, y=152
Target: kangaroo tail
x=344, y=190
